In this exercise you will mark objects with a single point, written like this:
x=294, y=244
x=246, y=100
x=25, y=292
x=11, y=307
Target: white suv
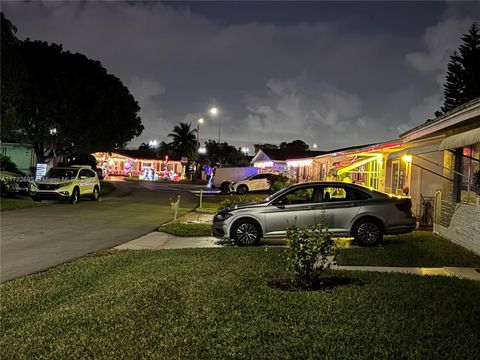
x=258, y=182
x=67, y=183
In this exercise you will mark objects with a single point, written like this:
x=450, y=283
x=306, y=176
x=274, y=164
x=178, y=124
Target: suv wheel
x=225, y=187
x=75, y=196
x=246, y=232
x=368, y=232
x=242, y=189
x=95, y=194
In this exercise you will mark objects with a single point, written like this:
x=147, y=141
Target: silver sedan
x=347, y=210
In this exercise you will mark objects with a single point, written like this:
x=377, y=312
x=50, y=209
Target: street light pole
x=199, y=121
x=219, y=129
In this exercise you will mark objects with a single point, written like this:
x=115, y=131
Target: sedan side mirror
x=279, y=203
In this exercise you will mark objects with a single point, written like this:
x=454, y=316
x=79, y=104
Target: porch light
x=407, y=158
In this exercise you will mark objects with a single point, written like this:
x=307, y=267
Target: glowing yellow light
x=213, y=111
x=200, y=121
x=407, y=158
x=380, y=161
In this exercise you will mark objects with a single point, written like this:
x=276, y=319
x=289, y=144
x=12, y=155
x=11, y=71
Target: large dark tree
x=294, y=145
x=264, y=146
x=67, y=102
x=463, y=73
x=184, y=140
x=223, y=154
x=13, y=80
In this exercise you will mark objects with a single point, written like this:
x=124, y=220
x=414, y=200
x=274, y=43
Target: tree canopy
x=58, y=100
x=294, y=145
x=223, y=154
x=463, y=72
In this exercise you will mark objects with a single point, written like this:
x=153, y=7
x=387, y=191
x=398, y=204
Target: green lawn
x=186, y=229
x=217, y=303
x=213, y=203
x=7, y=204
x=106, y=187
x=419, y=248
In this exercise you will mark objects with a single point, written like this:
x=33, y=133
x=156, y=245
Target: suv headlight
x=222, y=216
x=67, y=184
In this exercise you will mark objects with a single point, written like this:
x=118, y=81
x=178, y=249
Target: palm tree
x=144, y=147
x=184, y=141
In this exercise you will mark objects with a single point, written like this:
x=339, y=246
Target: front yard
x=417, y=249
x=219, y=303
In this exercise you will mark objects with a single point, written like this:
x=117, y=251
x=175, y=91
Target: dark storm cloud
x=326, y=80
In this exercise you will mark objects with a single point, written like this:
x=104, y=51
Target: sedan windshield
x=61, y=174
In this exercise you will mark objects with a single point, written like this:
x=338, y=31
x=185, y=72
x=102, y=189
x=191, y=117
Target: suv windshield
x=61, y=174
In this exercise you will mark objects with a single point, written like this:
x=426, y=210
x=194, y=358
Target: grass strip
x=106, y=187
x=187, y=229
x=7, y=204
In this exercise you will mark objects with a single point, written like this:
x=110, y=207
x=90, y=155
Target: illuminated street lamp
x=245, y=151
x=202, y=150
x=53, y=131
x=153, y=143
x=214, y=112
x=315, y=146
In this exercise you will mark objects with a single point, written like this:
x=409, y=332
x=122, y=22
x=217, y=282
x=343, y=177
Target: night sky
x=335, y=74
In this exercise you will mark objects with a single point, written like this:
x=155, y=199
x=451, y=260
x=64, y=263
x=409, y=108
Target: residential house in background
x=364, y=164
x=23, y=155
x=296, y=164
x=457, y=212
x=126, y=162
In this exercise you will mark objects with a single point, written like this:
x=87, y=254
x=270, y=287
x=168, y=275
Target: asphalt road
x=36, y=239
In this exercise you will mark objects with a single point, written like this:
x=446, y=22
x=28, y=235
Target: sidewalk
x=460, y=272
x=162, y=241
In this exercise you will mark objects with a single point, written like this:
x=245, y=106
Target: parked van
x=224, y=176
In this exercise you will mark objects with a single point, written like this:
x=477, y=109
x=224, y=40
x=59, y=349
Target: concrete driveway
x=36, y=239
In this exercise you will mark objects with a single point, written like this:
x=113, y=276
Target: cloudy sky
x=336, y=74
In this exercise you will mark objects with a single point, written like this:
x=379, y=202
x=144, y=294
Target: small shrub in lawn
x=278, y=182
x=231, y=202
x=311, y=250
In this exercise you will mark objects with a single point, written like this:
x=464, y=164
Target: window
x=343, y=194
x=469, y=164
x=85, y=173
x=300, y=196
x=334, y=193
x=260, y=176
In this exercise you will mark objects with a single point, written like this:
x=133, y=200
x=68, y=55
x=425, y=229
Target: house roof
x=137, y=154
x=143, y=154
x=283, y=155
x=468, y=112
